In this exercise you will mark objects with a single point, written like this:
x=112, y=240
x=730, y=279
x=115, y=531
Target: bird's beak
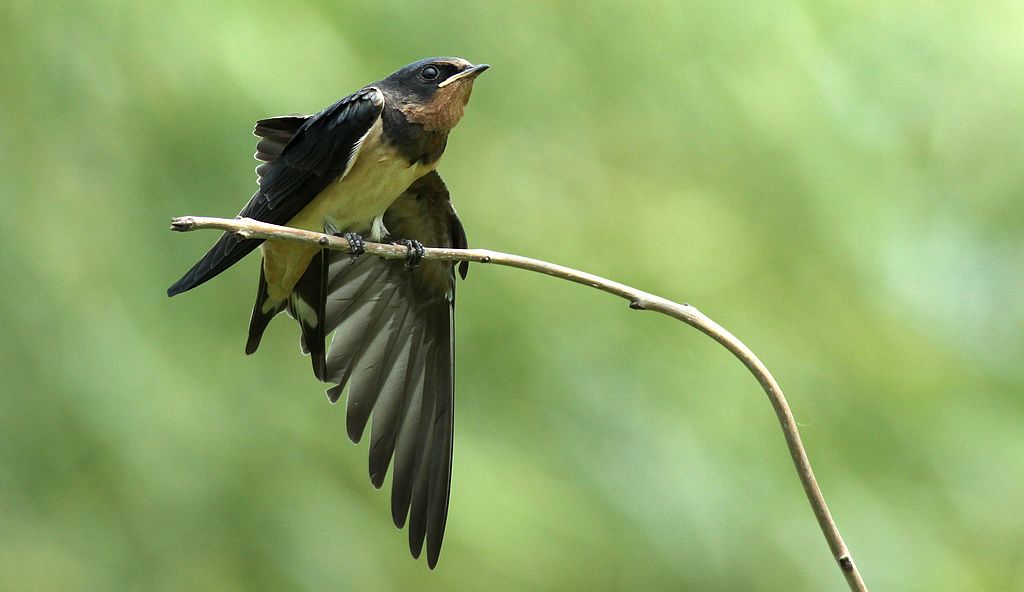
x=470, y=72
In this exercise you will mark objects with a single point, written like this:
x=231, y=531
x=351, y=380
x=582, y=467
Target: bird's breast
x=375, y=178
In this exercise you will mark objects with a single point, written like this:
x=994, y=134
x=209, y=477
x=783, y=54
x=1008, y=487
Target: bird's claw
x=415, y=254
x=356, y=245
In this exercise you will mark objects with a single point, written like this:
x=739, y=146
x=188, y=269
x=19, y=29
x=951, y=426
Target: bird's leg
x=415, y=254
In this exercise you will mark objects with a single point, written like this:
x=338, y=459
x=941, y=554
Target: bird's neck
x=414, y=141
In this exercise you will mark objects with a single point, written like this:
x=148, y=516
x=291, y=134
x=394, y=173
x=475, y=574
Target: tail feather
x=227, y=251
x=307, y=304
x=262, y=312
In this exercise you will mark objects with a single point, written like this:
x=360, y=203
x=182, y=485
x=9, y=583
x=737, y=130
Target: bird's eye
x=429, y=73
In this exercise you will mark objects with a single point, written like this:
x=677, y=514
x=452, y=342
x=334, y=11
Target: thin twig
x=638, y=300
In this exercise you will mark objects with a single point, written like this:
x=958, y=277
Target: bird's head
x=433, y=92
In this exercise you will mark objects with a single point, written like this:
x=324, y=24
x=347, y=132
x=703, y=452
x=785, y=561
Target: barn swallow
x=366, y=166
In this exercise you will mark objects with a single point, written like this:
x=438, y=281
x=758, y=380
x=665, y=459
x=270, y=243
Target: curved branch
x=638, y=300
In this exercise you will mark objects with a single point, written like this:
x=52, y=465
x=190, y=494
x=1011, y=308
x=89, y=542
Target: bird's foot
x=415, y=254
x=356, y=245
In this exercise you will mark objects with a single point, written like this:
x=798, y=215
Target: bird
x=366, y=166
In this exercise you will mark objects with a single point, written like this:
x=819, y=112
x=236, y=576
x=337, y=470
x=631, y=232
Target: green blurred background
x=839, y=183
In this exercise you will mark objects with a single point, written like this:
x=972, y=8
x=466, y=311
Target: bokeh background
x=838, y=183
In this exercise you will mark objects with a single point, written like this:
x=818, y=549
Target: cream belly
x=355, y=203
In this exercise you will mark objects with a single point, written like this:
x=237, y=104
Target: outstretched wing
x=300, y=164
x=394, y=349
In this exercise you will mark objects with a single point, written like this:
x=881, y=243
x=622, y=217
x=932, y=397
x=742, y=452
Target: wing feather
x=394, y=352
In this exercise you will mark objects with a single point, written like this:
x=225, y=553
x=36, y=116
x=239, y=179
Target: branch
x=638, y=300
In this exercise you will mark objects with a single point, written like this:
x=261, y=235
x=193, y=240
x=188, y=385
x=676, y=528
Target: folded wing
x=302, y=156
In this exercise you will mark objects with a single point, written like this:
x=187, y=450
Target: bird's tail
x=306, y=304
x=227, y=251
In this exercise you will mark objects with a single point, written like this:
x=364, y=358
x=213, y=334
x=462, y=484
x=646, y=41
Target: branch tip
x=183, y=224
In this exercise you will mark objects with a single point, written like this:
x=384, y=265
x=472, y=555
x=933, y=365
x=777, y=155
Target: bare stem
x=638, y=300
